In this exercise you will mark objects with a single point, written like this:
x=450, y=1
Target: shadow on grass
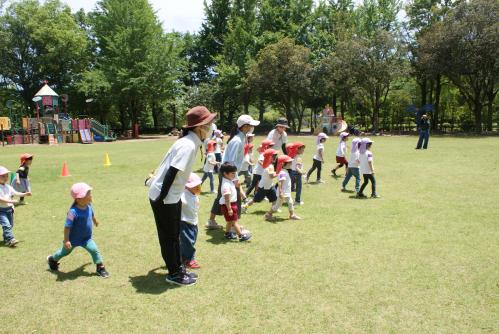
x=207, y=193
x=3, y=245
x=357, y=197
x=153, y=283
x=348, y=191
x=217, y=237
x=72, y=275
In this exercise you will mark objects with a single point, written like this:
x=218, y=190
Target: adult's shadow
x=217, y=237
x=153, y=283
x=72, y=275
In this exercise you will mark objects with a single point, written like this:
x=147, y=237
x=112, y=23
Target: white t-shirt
x=364, y=162
x=297, y=163
x=258, y=169
x=353, y=162
x=284, y=176
x=342, y=148
x=209, y=168
x=218, y=146
x=278, y=139
x=228, y=187
x=181, y=156
x=246, y=163
x=6, y=192
x=320, y=147
x=190, y=207
x=266, y=180
x=234, y=152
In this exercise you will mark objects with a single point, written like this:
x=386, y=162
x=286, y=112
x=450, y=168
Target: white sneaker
x=212, y=225
x=300, y=203
x=12, y=242
x=320, y=181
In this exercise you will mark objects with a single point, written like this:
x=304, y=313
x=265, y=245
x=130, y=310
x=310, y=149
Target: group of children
x=272, y=177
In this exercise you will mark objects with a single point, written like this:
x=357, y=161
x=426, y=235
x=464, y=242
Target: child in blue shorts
x=78, y=229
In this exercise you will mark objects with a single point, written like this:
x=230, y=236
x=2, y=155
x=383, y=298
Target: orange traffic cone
x=107, y=161
x=65, y=171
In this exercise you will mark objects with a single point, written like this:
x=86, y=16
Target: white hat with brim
x=4, y=170
x=193, y=181
x=246, y=119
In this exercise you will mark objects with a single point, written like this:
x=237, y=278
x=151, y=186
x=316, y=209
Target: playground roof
x=46, y=91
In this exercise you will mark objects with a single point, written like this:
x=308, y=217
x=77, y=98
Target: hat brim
x=254, y=123
x=205, y=121
x=5, y=172
x=283, y=125
x=193, y=184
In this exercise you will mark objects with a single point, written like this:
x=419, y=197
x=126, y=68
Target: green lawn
x=422, y=259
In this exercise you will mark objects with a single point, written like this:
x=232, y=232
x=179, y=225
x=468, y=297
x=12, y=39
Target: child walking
x=318, y=158
x=209, y=165
x=367, y=168
x=78, y=230
x=353, y=166
x=295, y=151
x=341, y=151
x=189, y=221
x=258, y=170
x=247, y=163
x=21, y=182
x=265, y=187
x=228, y=203
x=7, y=207
x=219, y=147
x=284, y=163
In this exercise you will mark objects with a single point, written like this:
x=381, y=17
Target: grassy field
x=422, y=259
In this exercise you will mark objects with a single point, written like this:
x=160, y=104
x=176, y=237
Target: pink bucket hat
x=80, y=190
x=193, y=181
x=4, y=170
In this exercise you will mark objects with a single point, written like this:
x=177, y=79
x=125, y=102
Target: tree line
x=372, y=64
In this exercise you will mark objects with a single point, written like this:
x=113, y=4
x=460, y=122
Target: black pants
x=367, y=178
x=254, y=184
x=167, y=217
x=316, y=165
x=215, y=208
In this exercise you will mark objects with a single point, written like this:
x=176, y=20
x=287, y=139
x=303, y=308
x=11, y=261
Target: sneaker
x=193, y=264
x=320, y=181
x=245, y=237
x=269, y=217
x=375, y=196
x=361, y=195
x=343, y=189
x=180, y=279
x=333, y=171
x=299, y=202
x=191, y=274
x=102, y=272
x=244, y=208
x=295, y=217
x=305, y=178
x=12, y=242
x=230, y=236
x=53, y=264
x=212, y=225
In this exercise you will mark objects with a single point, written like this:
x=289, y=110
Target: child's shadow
x=217, y=237
x=72, y=275
x=153, y=283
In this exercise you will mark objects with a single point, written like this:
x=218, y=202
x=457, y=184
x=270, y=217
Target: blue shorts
x=261, y=193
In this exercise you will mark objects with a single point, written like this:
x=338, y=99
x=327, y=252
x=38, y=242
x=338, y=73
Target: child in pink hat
x=189, y=221
x=7, y=207
x=78, y=229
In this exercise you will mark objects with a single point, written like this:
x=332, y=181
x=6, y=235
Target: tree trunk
x=261, y=109
x=422, y=84
x=155, y=114
x=477, y=111
x=335, y=104
x=491, y=95
x=342, y=108
x=436, y=115
x=174, y=113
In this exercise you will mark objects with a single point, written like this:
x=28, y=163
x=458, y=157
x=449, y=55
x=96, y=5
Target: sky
x=178, y=15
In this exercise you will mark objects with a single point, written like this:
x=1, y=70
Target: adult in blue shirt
x=234, y=153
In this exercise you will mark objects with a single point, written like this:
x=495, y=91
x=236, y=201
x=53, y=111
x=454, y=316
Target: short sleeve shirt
x=266, y=181
x=365, y=158
x=209, y=167
x=353, y=162
x=228, y=187
x=80, y=222
x=6, y=192
x=284, y=176
x=181, y=156
x=342, y=146
x=218, y=146
x=190, y=207
x=258, y=170
x=234, y=152
x=278, y=139
x=23, y=172
x=317, y=156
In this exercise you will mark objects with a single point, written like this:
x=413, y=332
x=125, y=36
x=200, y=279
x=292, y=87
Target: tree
x=281, y=74
x=41, y=42
x=465, y=47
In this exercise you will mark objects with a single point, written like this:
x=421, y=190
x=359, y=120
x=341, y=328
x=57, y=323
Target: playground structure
x=51, y=124
x=330, y=123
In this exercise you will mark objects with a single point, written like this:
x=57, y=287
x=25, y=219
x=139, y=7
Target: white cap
x=246, y=119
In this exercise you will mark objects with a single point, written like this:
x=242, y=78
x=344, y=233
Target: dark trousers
x=167, y=217
x=297, y=182
x=367, y=178
x=254, y=184
x=424, y=136
x=210, y=176
x=316, y=165
x=215, y=208
x=188, y=236
x=218, y=158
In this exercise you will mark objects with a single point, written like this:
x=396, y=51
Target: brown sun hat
x=198, y=116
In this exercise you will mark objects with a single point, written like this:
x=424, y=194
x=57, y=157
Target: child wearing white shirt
x=189, y=221
x=209, y=165
x=247, y=163
x=284, y=163
x=353, y=166
x=318, y=159
x=228, y=203
x=367, y=168
x=7, y=207
x=341, y=159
